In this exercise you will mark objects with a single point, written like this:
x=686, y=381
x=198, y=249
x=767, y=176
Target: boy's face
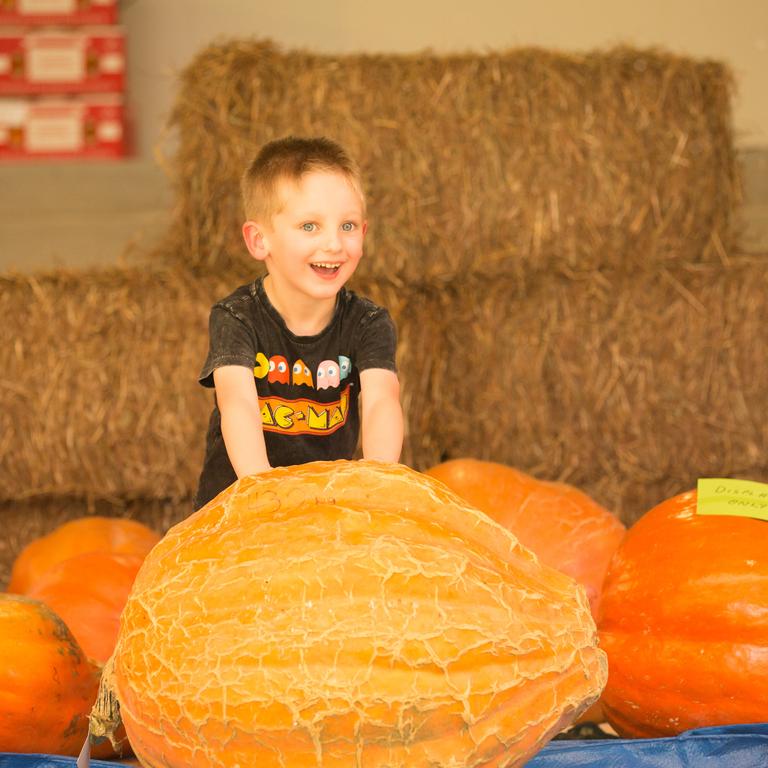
x=314, y=242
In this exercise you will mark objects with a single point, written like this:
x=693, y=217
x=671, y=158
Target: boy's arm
x=382, y=414
x=241, y=419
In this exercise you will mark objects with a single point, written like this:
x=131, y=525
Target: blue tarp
x=9, y=760
x=730, y=746
x=733, y=746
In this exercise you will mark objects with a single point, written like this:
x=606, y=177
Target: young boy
x=291, y=354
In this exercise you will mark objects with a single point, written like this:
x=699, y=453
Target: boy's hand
x=241, y=419
x=381, y=415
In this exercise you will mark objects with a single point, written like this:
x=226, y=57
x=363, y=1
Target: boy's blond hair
x=289, y=159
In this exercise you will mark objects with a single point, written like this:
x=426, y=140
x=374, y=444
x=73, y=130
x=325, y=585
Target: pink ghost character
x=328, y=374
x=278, y=370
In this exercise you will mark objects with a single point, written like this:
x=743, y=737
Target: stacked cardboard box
x=62, y=79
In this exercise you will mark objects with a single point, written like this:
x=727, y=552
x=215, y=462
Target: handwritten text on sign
x=721, y=496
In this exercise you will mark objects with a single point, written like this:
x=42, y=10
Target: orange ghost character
x=301, y=374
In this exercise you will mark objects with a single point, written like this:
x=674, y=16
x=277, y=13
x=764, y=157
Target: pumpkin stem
x=104, y=720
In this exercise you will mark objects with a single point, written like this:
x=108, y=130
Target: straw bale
x=507, y=163
x=628, y=386
x=99, y=385
x=415, y=311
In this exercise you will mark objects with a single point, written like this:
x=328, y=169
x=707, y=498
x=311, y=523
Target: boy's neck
x=303, y=318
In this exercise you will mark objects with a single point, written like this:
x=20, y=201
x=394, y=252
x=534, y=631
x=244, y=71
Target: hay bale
x=415, y=310
x=506, y=163
x=99, y=392
x=99, y=386
x=628, y=386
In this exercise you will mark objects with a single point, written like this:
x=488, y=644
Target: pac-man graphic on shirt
x=278, y=370
x=345, y=366
x=301, y=374
x=261, y=369
x=301, y=416
x=328, y=374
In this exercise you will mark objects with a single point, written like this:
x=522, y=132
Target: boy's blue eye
x=347, y=226
x=308, y=226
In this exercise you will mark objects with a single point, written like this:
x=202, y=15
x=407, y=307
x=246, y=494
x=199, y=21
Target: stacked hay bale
x=507, y=164
x=553, y=235
x=101, y=394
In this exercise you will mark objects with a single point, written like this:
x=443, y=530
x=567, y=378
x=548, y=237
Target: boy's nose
x=333, y=245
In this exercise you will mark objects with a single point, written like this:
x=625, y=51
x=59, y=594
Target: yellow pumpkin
x=348, y=613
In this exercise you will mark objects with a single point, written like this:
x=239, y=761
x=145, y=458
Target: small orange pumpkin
x=684, y=620
x=47, y=685
x=347, y=613
x=85, y=534
x=88, y=592
x=567, y=529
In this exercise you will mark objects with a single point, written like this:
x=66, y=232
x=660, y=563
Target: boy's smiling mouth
x=325, y=268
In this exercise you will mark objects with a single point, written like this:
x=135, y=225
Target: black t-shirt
x=308, y=386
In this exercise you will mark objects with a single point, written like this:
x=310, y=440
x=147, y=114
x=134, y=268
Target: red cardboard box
x=52, y=127
x=58, y=12
x=89, y=60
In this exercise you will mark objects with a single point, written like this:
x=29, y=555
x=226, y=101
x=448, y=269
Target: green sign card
x=721, y=496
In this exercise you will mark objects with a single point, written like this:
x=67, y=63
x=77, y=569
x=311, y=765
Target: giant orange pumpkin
x=565, y=527
x=684, y=620
x=47, y=685
x=85, y=534
x=88, y=592
x=348, y=613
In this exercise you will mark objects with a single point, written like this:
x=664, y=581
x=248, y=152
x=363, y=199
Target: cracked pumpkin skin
x=349, y=614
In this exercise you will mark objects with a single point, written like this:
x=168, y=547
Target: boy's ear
x=365, y=227
x=255, y=242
